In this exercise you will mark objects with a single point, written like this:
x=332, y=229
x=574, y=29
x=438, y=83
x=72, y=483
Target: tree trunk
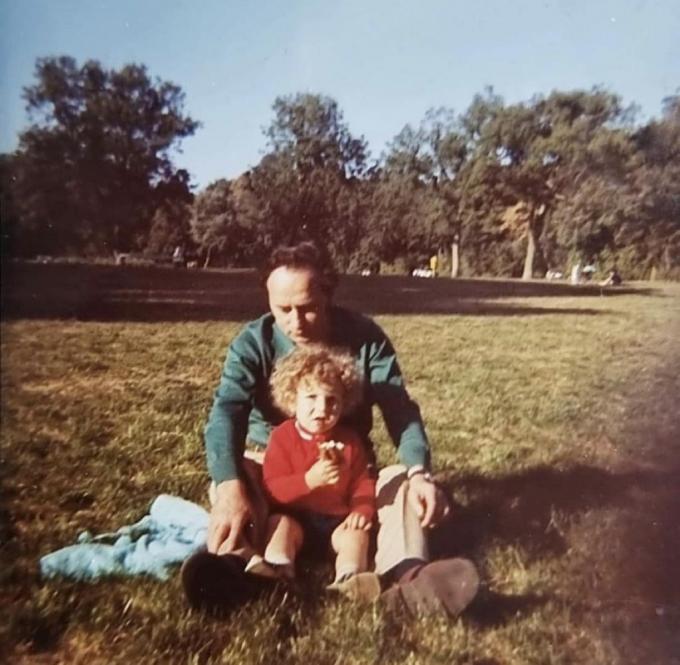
x=455, y=258
x=206, y=263
x=667, y=260
x=528, y=272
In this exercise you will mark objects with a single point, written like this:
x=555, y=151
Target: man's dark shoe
x=218, y=584
x=440, y=587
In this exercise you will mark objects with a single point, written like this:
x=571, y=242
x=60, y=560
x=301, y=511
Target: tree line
x=499, y=189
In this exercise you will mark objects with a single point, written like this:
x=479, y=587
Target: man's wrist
x=228, y=487
x=419, y=471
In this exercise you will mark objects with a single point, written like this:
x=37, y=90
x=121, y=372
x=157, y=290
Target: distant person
x=613, y=279
x=178, y=259
x=576, y=273
x=316, y=472
x=300, y=282
x=589, y=271
x=434, y=262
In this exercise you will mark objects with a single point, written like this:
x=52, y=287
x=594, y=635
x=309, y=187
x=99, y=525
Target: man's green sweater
x=242, y=407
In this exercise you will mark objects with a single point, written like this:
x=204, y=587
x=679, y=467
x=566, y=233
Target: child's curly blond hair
x=321, y=365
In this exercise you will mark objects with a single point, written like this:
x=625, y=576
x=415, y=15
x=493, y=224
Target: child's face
x=318, y=408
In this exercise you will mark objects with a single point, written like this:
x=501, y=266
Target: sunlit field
x=552, y=411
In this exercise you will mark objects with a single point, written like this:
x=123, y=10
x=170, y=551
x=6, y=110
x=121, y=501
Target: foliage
x=303, y=184
x=8, y=208
x=95, y=164
x=417, y=204
x=170, y=224
x=495, y=190
x=222, y=222
x=310, y=130
x=651, y=230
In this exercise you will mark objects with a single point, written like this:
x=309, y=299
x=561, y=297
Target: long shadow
x=519, y=508
x=490, y=609
x=149, y=293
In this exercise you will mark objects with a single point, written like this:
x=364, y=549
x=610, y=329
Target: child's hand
x=357, y=521
x=322, y=472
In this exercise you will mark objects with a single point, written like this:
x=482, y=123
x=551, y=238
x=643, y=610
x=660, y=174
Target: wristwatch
x=419, y=470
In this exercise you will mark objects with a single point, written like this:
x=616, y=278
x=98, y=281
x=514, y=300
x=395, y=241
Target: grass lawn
x=553, y=414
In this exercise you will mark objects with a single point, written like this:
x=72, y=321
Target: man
x=300, y=283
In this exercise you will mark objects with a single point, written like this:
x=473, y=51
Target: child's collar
x=311, y=436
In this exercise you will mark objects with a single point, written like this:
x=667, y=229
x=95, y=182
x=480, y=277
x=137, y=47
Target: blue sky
x=385, y=61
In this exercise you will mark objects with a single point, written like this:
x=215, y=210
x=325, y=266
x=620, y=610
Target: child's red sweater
x=289, y=456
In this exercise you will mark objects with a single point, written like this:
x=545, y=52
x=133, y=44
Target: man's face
x=318, y=407
x=299, y=306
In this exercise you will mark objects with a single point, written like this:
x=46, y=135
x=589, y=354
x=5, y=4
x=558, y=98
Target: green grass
x=554, y=421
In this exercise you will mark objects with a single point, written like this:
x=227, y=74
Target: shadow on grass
x=134, y=293
x=491, y=610
x=41, y=631
x=528, y=510
x=521, y=508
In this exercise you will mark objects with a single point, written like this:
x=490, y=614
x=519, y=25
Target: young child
x=316, y=471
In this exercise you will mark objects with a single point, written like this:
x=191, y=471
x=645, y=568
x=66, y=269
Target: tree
x=649, y=235
x=411, y=219
x=310, y=130
x=224, y=221
x=170, y=222
x=8, y=211
x=594, y=201
x=440, y=160
x=540, y=149
x=396, y=229
x=303, y=183
x=95, y=163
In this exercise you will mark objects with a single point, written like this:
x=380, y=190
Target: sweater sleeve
x=400, y=413
x=283, y=483
x=227, y=426
x=362, y=483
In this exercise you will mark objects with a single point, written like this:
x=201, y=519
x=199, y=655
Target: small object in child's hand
x=331, y=450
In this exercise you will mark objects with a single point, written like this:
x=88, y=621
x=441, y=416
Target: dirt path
x=633, y=567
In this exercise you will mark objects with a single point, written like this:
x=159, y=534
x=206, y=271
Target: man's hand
x=230, y=515
x=322, y=472
x=356, y=521
x=427, y=500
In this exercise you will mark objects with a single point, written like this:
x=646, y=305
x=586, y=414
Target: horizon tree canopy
x=91, y=168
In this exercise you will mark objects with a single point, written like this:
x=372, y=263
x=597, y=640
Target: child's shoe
x=263, y=568
x=360, y=587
